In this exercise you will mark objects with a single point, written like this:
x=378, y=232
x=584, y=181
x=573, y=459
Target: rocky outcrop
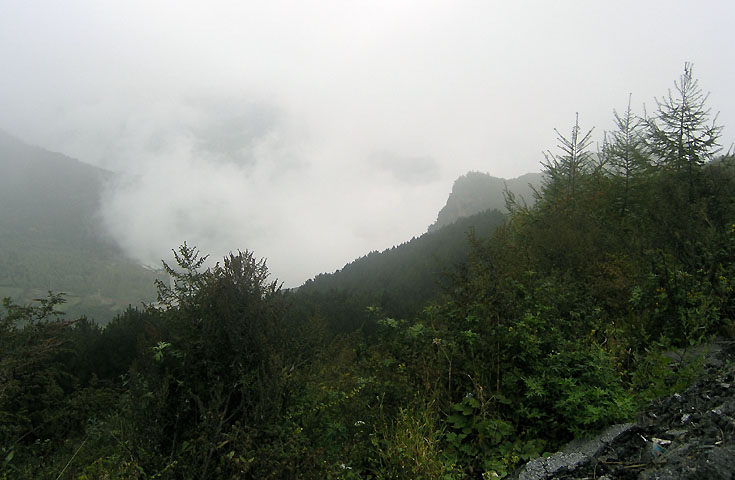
x=574, y=456
x=476, y=192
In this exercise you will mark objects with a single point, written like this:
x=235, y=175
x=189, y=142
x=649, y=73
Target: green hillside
x=51, y=237
x=399, y=280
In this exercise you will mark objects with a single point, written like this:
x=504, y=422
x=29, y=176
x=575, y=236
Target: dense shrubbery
x=556, y=325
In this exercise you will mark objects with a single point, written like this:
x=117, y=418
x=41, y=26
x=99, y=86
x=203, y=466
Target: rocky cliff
x=476, y=192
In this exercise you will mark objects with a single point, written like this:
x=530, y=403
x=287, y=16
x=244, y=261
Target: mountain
x=475, y=192
x=51, y=237
x=403, y=279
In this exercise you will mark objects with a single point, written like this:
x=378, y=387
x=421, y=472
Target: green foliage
x=44, y=410
x=674, y=303
x=577, y=392
x=562, y=320
x=400, y=280
x=32, y=380
x=566, y=171
x=410, y=446
x=472, y=435
x=217, y=370
x=624, y=157
x=661, y=371
x=680, y=136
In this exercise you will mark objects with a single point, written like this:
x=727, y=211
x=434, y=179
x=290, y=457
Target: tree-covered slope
x=51, y=238
x=402, y=279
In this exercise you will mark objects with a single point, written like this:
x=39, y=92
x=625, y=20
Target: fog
x=315, y=132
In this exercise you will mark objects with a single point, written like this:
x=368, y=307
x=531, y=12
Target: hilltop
x=476, y=192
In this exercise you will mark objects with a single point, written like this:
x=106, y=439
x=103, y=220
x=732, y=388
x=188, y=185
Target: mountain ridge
x=475, y=192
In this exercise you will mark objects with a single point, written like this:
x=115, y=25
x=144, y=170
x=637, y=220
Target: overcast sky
x=313, y=132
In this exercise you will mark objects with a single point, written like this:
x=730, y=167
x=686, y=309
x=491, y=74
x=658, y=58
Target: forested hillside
x=51, y=237
x=400, y=280
x=555, y=324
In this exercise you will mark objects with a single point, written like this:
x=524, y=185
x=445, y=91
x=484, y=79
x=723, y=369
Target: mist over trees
x=51, y=236
x=542, y=324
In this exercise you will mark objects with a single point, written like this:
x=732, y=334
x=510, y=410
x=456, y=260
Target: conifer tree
x=624, y=153
x=680, y=135
x=566, y=170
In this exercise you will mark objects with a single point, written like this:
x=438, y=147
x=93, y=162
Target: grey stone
x=717, y=464
x=546, y=467
x=575, y=453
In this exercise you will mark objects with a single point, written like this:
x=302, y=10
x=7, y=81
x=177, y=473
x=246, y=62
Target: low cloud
x=412, y=170
x=225, y=177
x=313, y=134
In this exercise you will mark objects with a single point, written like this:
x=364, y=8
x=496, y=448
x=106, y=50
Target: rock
x=545, y=468
x=718, y=463
x=576, y=453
